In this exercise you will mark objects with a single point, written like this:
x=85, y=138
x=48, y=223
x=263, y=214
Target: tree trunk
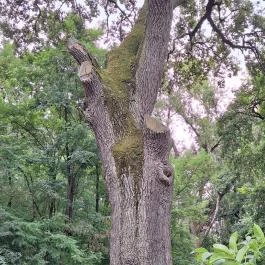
x=52, y=202
x=9, y=204
x=70, y=194
x=134, y=147
x=35, y=207
x=71, y=181
x=97, y=187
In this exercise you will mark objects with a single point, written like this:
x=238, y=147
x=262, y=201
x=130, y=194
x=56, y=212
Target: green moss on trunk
x=119, y=81
x=129, y=159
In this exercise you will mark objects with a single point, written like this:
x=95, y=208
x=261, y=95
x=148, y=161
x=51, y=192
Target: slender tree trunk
x=52, y=203
x=35, y=207
x=134, y=147
x=9, y=204
x=70, y=194
x=52, y=208
x=97, y=188
x=71, y=181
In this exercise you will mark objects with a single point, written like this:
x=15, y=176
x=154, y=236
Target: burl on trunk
x=134, y=147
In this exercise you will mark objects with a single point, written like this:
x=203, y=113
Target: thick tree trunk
x=134, y=147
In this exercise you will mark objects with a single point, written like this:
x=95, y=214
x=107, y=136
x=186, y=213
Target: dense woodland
x=54, y=206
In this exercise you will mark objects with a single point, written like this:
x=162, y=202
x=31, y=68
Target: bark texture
x=134, y=147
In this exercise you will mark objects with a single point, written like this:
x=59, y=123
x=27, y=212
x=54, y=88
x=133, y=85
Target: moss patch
x=128, y=148
x=121, y=60
x=129, y=158
x=119, y=80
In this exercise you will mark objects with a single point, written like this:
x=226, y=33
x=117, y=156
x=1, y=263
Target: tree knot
x=166, y=174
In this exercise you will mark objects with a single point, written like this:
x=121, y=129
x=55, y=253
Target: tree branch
x=32, y=193
x=217, y=206
x=95, y=109
x=224, y=39
x=255, y=112
x=157, y=145
x=215, y=146
x=246, y=45
x=88, y=75
x=208, y=11
x=152, y=57
x=122, y=11
x=175, y=149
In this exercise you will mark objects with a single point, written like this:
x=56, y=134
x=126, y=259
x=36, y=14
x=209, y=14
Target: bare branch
x=224, y=39
x=217, y=206
x=216, y=145
x=197, y=27
x=122, y=11
x=194, y=129
x=208, y=11
x=95, y=110
x=80, y=53
x=175, y=149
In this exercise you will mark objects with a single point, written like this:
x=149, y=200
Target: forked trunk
x=134, y=147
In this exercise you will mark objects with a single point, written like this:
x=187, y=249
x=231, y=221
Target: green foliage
x=23, y=242
x=190, y=206
x=192, y=172
x=42, y=134
x=242, y=132
x=182, y=243
x=248, y=251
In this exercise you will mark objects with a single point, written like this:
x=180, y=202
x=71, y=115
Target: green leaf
x=241, y=253
x=258, y=233
x=220, y=256
x=200, y=250
x=232, y=262
x=232, y=242
x=219, y=248
x=253, y=244
x=206, y=255
x=219, y=262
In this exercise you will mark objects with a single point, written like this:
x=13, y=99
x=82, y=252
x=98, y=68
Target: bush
x=247, y=252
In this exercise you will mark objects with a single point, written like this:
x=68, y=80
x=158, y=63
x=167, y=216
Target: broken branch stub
x=154, y=125
x=85, y=71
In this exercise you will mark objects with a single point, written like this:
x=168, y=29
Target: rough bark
x=134, y=147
